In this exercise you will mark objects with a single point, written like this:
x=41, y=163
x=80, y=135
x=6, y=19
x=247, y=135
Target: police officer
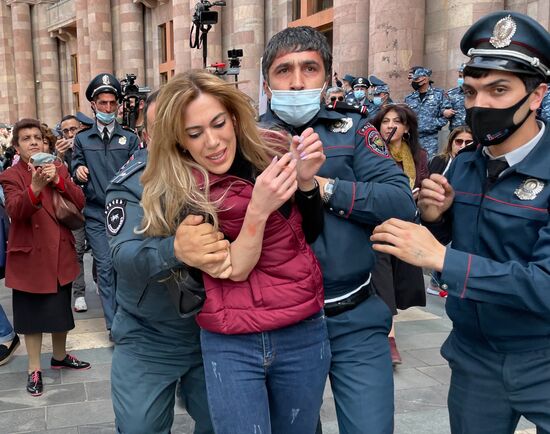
x=156, y=338
x=361, y=187
x=456, y=97
x=431, y=106
x=98, y=153
x=380, y=95
x=360, y=90
x=494, y=207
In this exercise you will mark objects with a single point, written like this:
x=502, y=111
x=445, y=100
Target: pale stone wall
x=8, y=90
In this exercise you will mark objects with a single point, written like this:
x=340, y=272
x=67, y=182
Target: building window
x=166, y=48
x=314, y=13
x=75, y=87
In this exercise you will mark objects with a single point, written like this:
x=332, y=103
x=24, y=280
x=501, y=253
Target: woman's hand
x=276, y=184
x=307, y=149
x=39, y=179
x=51, y=172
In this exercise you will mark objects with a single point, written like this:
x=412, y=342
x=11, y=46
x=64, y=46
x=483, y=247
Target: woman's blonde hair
x=171, y=187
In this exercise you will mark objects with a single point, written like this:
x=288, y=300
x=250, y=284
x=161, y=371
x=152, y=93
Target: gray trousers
x=79, y=285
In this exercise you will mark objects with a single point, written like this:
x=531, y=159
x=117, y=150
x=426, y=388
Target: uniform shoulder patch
x=373, y=140
x=115, y=216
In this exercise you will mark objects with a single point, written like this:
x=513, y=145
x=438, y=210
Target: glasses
x=333, y=98
x=464, y=142
x=69, y=130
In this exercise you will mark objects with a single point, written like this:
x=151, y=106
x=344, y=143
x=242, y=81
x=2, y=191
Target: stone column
x=132, y=50
x=83, y=53
x=396, y=42
x=351, y=36
x=248, y=34
x=8, y=89
x=457, y=18
x=100, y=32
x=182, y=20
x=22, y=42
x=46, y=67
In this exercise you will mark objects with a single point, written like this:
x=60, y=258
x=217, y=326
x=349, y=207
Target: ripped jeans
x=267, y=383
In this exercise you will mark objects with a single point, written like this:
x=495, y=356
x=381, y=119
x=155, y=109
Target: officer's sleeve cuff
x=343, y=199
x=456, y=271
x=166, y=252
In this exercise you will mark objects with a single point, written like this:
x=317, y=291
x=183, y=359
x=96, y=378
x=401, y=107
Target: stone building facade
x=50, y=49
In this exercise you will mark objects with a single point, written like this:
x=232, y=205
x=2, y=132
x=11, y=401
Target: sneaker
x=80, y=304
x=69, y=362
x=34, y=383
x=432, y=291
x=6, y=353
x=395, y=356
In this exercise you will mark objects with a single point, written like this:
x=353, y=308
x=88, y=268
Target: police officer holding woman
x=157, y=339
x=493, y=204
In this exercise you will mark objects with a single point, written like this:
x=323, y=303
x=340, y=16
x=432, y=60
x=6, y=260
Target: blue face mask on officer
x=377, y=100
x=460, y=81
x=105, y=118
x=359, y=94
x=296, y=107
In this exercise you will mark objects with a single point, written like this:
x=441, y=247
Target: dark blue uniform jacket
x=498, y=266
x=369, y=189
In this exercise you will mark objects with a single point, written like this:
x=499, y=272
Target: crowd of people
x=250, y=261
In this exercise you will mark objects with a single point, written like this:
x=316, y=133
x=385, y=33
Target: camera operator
x=133, y=102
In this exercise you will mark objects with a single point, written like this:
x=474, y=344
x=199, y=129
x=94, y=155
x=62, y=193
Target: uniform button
x=444, y=287
x=36, y=226
x=341, y=212
x=332, y=209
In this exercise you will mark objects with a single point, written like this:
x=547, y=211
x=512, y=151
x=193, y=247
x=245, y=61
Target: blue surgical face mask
x=377, y=100
x=460, y=81
x=359, y=94
x=296, y=107
x=105, y=118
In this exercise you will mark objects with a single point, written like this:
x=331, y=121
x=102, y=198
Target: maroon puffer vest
x=285, y=287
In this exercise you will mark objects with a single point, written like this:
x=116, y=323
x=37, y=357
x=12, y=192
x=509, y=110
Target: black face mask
x=491, y=126
x=416, y=85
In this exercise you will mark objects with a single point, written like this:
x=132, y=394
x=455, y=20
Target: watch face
x=329, y=187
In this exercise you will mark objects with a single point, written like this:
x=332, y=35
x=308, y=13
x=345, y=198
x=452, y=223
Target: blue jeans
x=489, y=391
x=269, y=382
x=97, y=237
x=6, y=330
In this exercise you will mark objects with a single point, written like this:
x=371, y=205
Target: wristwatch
x=328, y=190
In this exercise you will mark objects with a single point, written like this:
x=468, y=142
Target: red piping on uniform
x=467, y=276
x=515, y=205
x=352, y=199
x=341, y=147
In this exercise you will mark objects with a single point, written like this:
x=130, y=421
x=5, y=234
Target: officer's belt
x=339, y=305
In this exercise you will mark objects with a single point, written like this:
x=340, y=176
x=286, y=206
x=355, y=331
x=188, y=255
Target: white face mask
x=296, y=107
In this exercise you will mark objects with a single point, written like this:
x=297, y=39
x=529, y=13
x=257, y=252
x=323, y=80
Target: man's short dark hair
x=295, y=40
x=21, y=124
x=531, y=82
x=150, y=100
x=68, y=118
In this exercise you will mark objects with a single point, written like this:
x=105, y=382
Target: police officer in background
x=98, y=153
x=360, y=91
x=544, y=110
x=361, y=187
x=494, y=207
x=431, y=106
x=456, y=97
x=157, y=340
x=379, y=93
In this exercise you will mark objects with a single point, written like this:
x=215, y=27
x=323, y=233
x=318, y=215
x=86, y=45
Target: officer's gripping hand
x=409, y=242
x=449, y=113
x=435, y=197
x=82, y=173
x=198, y=245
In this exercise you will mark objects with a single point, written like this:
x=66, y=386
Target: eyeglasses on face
x=334, y=98
x=464, y=142
x=69, y=130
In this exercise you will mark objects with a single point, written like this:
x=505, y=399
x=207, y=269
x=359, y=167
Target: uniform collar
x=113, y=128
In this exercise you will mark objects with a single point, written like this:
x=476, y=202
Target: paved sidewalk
x=80, y=403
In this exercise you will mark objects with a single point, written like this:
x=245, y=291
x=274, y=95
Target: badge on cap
x=116, y=216
x=504, y=30
x=341, y=126
x=105, y=80
x=529, y=189
x=122, y=140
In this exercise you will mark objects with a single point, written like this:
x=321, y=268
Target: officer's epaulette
x=127, y=128
x=469, y=148
x=131, y=167
x=85, y=128
x=344, y=107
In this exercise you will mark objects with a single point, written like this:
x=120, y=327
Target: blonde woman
x=263, y=337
